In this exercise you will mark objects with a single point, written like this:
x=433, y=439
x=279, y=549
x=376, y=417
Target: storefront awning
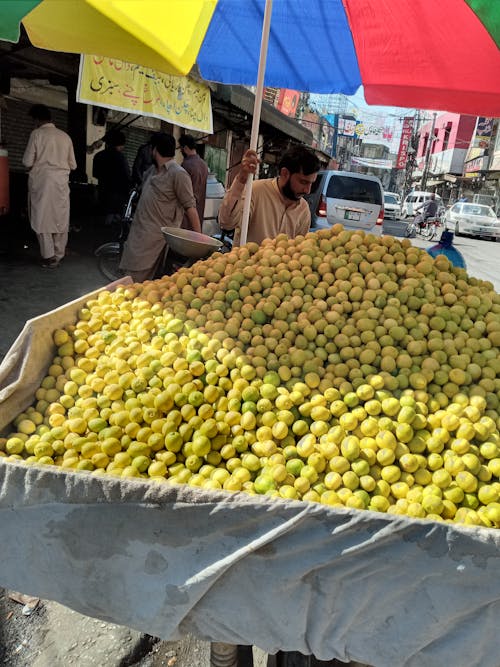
x=243, y=99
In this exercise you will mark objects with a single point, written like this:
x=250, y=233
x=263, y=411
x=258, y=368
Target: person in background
x=446, y=247
x=167, y=194
x=111, y=169
x=277, y=206
x=143, y=161
x=428, y=209
x=197, y=169
x=50, y=157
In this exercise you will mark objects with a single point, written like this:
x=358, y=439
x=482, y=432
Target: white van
x=353, y=200
x=415, y=200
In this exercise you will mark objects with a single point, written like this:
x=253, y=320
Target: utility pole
x=430, y=142
x=412, y=151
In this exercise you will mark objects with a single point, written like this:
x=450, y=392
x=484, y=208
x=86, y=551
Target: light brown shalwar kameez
x=166, y=194
x=270, y=213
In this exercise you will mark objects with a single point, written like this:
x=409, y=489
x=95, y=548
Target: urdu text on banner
x=115, y=84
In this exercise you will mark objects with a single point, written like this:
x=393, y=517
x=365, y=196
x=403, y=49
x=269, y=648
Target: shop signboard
x=288, y=101
x=477, y=164
x=115, y=84
x=405, y=142
x=482, y=137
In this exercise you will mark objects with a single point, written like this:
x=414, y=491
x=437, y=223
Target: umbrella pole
x=266, y=25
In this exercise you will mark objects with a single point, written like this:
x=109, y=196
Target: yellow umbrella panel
x=165, y=35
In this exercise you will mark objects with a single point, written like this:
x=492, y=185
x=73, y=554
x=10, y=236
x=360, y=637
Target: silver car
x=472, y=219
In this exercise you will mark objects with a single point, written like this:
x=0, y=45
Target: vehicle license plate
x=352, y=215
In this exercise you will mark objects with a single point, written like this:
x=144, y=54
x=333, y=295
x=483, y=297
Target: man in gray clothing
x=167, y=194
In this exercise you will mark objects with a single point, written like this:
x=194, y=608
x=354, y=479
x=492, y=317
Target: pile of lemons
x=339, y=368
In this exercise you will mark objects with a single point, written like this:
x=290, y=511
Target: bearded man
x=278, y=205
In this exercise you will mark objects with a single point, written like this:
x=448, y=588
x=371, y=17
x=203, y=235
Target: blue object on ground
x=445, y=247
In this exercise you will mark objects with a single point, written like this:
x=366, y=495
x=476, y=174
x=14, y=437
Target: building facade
x=442, y=148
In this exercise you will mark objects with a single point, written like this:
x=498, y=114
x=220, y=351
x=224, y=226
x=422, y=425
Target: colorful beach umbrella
x=409, y=53
x=162, y=34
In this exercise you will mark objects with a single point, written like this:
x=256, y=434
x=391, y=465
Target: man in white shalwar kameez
x=50, y=157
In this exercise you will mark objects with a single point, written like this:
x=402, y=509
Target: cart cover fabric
x=168, y=560
x=27, y=361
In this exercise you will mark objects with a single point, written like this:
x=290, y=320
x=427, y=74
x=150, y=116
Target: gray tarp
x=385, y=590
x=26, y=363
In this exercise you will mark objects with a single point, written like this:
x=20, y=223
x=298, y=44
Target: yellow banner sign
x=115, y=84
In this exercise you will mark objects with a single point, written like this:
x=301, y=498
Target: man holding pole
x=277, y=205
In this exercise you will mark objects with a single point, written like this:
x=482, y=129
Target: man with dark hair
x=143, y=160
x=167, y=194
x=50, y=157
x=197, y=169
x=277, y=206
x=112, y=171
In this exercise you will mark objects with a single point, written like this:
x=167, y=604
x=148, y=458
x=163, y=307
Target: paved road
x=27, y=290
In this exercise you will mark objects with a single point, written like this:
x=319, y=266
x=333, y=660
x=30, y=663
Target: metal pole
x=428, y=152
x=266, y=26
x=223, y=655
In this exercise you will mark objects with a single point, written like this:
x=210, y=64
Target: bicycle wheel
x=108, y=261
x=437, y=232
x=411, y=230
x=427, y=231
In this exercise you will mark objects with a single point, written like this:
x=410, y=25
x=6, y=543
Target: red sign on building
x=404, y=144
x=288, y=101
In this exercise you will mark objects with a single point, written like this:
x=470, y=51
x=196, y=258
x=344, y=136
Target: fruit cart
x=233, y=568
x=238, y=569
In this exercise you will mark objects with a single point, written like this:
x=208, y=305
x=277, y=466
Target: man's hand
x=95, y=146
x=248, y=165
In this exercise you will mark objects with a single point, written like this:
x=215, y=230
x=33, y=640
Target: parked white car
x=472, y=219
x=394, y=194
x=392, y=207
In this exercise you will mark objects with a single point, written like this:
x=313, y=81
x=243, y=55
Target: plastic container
x=214, y=195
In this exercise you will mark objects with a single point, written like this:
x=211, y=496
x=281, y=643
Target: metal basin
x=190, y=244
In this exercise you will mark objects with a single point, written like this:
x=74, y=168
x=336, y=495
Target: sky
x=378, y=115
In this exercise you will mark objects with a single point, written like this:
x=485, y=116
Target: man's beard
x=289, y=193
